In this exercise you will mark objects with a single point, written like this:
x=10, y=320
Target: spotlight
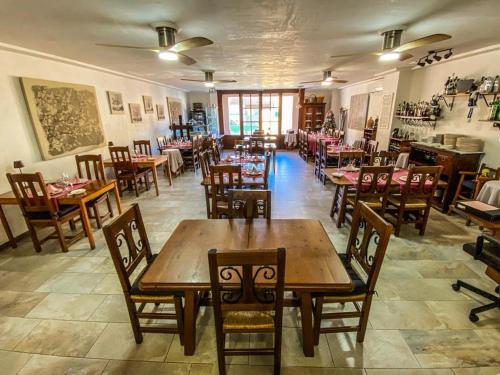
x=167, y=55
x=209, y=84
x=421, y=63
x=389, y=56
x=437, y=57
x=428, y=60
x=448, y=54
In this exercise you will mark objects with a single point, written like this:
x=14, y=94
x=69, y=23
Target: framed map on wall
x=358, y=110
x=174, y=110
x=65, y=117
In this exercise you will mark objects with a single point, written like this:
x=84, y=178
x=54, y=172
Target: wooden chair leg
x=399, y=221
x=60, y=236
x=363, y=320
x=277, y=351
x=110, y=208
x=97, y=216
x=221, y=360
x=318, y=311
x=425, y=218
x=134, y=320
x=180, y=318
x=72, y=224
x=136, y=188
x=34, y=238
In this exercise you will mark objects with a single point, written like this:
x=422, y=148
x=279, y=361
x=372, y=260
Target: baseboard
x=18, y=238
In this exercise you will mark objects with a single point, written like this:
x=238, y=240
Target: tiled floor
x=64, y=313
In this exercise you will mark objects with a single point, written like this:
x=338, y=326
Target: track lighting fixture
x=421, y=63
x=448, y=54
x=428, y=60
x=437, y=57
x=434, y=56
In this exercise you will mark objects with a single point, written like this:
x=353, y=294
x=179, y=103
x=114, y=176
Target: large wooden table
x=93, y=190
x=152, y=162
x=312, y=263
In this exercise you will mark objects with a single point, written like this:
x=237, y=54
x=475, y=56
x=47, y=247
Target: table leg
x=155, y=180
x=189, y=322
x=169, y=171
x=207, y=201
x=86, y=224
x=307, y=324
x=5, y=223
x=341, y=213
x=117, y=198
x=334, y=202
x=274, y=160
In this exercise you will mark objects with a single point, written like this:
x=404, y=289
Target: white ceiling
x=261, y=44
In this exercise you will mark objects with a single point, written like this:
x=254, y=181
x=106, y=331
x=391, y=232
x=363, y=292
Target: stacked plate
x=469, y=144
x=450, y=140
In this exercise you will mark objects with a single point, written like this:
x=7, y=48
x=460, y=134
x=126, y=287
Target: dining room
x=251, y=187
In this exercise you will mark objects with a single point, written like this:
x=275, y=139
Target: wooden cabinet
x=452, y=163
x=400, y=144
x=313, y=115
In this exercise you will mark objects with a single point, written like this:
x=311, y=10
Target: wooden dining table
x=93, y=190
x=312, y=263
x=152, y=161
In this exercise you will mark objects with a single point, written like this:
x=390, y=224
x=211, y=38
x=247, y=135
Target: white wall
x=17, y=139
x=423, y=83
x=198, y=97
x=326, y=93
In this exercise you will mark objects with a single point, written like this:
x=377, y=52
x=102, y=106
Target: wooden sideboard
x=400, y=144
x=452, y=162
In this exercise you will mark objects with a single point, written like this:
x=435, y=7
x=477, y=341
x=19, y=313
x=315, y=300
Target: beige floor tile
x=13, y=330
x=23, y=281
x=109, y=284
x=380, y=349
x=113, y=309
x=18, y=303
x=206, y=349
x=86, y=264
x=399, y=371
x=51, y=365
x=38, y=263
x=477, y=371
x=455, y=315
x=321, y=371
x=66, y=306
x=402, y=315
x=145, y=368
x=212, y=369
x=12, y=362
x=64, y=338
x=72, y=283
x=444, y=270
x=117, y=342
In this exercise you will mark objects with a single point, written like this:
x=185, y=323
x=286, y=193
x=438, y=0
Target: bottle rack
x=449, y=103
x=419, y=121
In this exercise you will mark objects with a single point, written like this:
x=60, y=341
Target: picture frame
x=135, y=112
x=115, y=101
x=148, y=104
x=174, y=106
x=160, y=111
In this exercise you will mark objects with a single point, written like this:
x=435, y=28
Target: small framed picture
x=160, y=111
x=148, y=104
x=115, y=100
x=135, y=112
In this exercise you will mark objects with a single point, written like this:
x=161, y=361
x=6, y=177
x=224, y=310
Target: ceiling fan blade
x=302, y=83
x=340, y=81
x=154, y=49
x=225, y=81
x=186, y=60
x=190, y=43
x=429, y=39
x=353, y=55
x=405, y=56
x=193, y=80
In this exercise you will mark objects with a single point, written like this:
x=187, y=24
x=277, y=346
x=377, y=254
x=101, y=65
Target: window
x=251, y=109
x=287, y=108
x=233, y=106
x=270, y=113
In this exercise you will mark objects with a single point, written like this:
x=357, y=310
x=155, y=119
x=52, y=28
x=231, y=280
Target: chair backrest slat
x=250, y=204
x=122, y=161
x=351, y=157
x=374, y=182
x=31, y=193
x=421, y=183
x=94, y=167
x=143, y=147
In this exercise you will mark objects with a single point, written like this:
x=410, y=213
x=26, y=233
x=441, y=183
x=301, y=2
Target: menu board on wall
x=385, y=114
x=358, y=111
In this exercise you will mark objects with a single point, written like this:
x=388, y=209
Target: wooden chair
x=248, y=305
x=94, y=170
x=368, y=230
x=191, y=157
x=162, y=143
x=129, y=246
x=326, y=161
x=40, y=210
x=143, y=147
x=125, y=170
x=317, y=158
x=241, y=147
x=382, y=158
x=271, y=149
x=373, y=189
x=351, y=157
x=300, y=141
x=205, y=172
x=215, y=153
x=258, y=132
x=371, y=147
x=414, y=203
x=223, y=178
x=359, y=144
x=470, y=183
x=250, y=204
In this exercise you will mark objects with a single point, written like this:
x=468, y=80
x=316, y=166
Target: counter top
x=436, y=146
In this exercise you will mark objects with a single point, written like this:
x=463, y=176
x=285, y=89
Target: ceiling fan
x=209, y=79
x=327, y=80
x=392, y=49
x=167, y=48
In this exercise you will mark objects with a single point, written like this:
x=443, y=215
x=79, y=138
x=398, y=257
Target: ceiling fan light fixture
x=326, y=83
x=167, y=55
x=209, y=84
x=389, y=56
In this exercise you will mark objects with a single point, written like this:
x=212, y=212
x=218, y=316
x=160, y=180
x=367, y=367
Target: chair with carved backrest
x=215, y=152
x=205, y=173
x=363, y=264
x=317, y=158
x=40, y=210
x=415, y=198
x=129, y=247
x=326, y=161
x=143, y=147
x=125, y=170
x=382, y=158
x=91, y=167
x=222, y=179
x=354, y=158
x=373, y=188
x=300, y=141
x=247, y=293
x=470, y=183
x=359, y=144
x=162, y=143
x=249, y=204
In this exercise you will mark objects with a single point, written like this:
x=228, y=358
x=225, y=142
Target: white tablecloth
x=290, y=139
x=490, y=193
x=402, y=161
x=175, y=158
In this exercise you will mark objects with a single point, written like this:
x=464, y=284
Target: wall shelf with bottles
x=449, y=104
x=417, y=120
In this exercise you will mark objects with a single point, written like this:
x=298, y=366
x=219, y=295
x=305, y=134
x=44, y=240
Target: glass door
x=251, y=113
